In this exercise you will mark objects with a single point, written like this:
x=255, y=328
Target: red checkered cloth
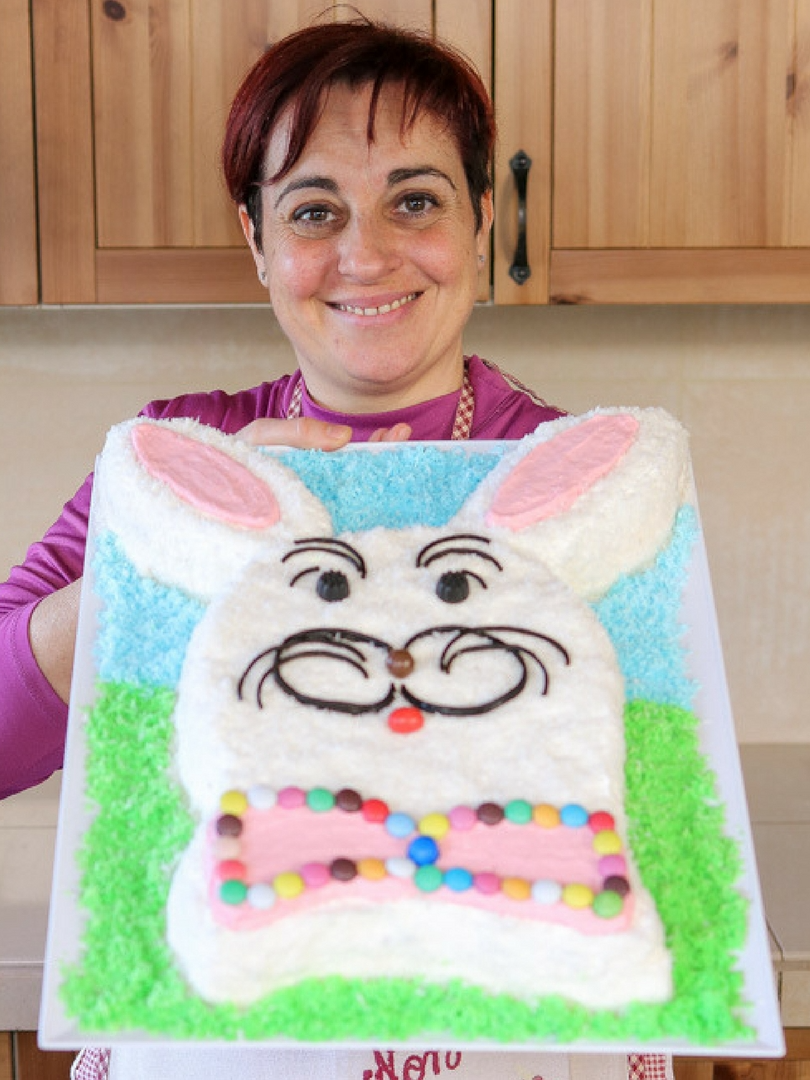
x=649, y=1067
x=92, y=1063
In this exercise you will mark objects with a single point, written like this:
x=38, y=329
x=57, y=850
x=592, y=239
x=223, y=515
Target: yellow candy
x=233, y=802
x=607, y=842
x=516, y=888
x=372, y=869
x=577, y=896
x=288, y=885
x=435, y=825
x=545, y=815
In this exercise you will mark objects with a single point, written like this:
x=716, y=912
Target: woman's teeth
x=383, y=309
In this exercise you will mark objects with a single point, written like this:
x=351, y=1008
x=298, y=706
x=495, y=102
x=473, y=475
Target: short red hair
x=297, y=72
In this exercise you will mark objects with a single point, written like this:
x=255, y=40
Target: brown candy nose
x=399, y=662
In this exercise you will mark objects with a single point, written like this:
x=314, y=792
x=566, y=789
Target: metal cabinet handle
x=520, y=271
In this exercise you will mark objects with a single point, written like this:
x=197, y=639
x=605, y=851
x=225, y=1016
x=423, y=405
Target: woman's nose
x=366, y=250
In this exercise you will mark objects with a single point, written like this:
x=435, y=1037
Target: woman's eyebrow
x=324, y=183
x=398, y=176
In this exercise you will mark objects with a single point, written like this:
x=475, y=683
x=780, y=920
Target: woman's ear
x=249, y=229
x=487, y=215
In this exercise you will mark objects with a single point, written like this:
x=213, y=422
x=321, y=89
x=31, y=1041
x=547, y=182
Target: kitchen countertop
x=777, y=780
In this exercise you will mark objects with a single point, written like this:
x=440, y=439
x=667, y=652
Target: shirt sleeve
x=33, y=719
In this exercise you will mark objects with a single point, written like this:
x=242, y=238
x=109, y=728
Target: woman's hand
x=305, y=433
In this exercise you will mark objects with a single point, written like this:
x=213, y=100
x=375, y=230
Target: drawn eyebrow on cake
x=458, y=544
x=331, y=546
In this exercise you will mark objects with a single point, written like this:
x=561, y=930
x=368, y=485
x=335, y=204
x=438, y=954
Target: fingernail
x=338, y=432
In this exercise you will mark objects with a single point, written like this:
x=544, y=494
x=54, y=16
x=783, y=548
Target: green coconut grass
x=126, y=979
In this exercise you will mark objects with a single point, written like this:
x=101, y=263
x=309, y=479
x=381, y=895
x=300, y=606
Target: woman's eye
x=453, y=587
x=314, y=219
x=418, y=204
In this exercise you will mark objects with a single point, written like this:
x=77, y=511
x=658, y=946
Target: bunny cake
x=394, y=734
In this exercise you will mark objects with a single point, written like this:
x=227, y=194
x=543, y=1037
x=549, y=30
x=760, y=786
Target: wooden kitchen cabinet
x=132, y=97
x=681, y=151
x=18, y=223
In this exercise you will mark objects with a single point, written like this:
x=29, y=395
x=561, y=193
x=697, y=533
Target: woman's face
x=371, y=255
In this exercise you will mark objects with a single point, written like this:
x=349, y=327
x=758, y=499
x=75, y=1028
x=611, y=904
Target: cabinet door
x=18, y=231
x=682, y=137
x=141, y=90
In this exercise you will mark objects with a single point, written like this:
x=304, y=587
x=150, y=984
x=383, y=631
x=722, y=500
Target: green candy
x=607, y=904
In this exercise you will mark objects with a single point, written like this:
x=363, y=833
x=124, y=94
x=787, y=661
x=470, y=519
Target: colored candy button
x=315, y=875
x=288, y=885
x=233, y=802
x=546, y=816
x=320, y=800
x=423, y=850
x=546, y=892
x=462, y=818
x=231, y=869
x=435, y=825
x=375, y=811
x=516, y=888
x=406, y=720
x=399, y=825
x=574, y=815
x=458, y=879
x=233, y=892
x=518, y=811
x=607, y=842
x=428, y=878
x=486, y=883
x=577, y=896
x=371, y=869
x=608, y=904
x=291, y=798
x=261, y=896
x=261, y=797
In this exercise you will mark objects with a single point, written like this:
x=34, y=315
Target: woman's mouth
x=380, y=309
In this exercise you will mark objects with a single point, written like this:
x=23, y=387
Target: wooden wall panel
x=64, y=151
x=142, y=123
x=718, y=120
x=602, y=123
x=19, y=278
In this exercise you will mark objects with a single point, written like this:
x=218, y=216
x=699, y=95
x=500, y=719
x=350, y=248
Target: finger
x=303, y=433
x=397, y=433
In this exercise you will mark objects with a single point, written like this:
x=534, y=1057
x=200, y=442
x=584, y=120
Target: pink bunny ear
x=205, y=478
x=549, y=479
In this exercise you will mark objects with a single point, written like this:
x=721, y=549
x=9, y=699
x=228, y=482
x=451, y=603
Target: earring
x=263, y=277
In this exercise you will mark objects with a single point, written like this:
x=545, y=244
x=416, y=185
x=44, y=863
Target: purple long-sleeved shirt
x=33, y=719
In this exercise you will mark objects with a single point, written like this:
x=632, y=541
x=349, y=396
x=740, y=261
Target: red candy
x=375, y=811
x=406, y=720
x=601, y=820
x=231, y=870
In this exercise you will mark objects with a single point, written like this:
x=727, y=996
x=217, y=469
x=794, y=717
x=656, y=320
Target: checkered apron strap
x=92, y=1063
x=649, y=1067
x=294, y=408
x=462, y=422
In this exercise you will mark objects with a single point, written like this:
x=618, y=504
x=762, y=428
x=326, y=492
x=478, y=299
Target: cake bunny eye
x=461, y=550
x=453, y=587
x=332, y=584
